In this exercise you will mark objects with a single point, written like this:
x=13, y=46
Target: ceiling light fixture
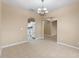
x=42, y=11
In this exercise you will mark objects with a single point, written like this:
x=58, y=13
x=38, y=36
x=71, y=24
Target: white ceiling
x=34, y=4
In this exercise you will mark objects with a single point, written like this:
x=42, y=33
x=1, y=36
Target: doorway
x=50, y=30
x=54, y=30
x=31, y=29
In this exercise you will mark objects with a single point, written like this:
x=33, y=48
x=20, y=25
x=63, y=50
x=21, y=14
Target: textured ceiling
x=34, y=4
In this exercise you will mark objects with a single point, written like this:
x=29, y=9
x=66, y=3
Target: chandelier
x=42, y=11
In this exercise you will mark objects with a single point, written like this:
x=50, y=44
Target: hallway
x=39, y=49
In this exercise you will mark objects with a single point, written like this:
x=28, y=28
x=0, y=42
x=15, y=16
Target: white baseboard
x=68, y=45
x=17, y=43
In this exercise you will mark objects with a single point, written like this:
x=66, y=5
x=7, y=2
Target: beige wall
x=14, y=22
x=39, y=27
x=0, y=27
x=68, y=24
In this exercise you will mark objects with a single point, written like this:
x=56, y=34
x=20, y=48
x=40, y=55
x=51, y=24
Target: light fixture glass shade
x=38, y=12
x=42, y=11
x=46, y=11
x=44, y=8
x=39, y=9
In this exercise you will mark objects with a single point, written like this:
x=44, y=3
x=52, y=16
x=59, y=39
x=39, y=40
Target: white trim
x=9, y=45
x=17, y=43
x=68, y=45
